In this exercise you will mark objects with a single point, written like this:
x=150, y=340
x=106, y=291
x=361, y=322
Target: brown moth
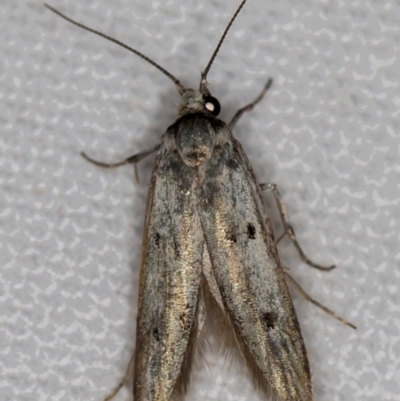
x=209, y=253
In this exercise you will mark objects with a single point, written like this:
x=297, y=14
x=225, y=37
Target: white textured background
x=70, y=233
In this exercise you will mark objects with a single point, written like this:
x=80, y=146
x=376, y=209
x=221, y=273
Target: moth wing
x=169, y=283
x=244, y=259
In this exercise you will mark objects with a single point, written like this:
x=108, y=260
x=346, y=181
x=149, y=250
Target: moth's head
x=197, y=101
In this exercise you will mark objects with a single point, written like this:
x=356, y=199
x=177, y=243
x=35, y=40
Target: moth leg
x=129, y=160
x=316, y=303
x=288, y=229
x=128, y=378
x=251, y=105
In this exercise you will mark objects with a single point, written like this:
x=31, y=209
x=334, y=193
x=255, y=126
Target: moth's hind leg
x=126, y=380
x=251, y=105
x=288, y=229
x=129, y=160
x=316, y=303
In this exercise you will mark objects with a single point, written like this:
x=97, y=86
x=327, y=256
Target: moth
x=209, y=255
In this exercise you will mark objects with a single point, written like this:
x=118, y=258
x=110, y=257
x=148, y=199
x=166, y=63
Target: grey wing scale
x=169, y=283
x=245, y=263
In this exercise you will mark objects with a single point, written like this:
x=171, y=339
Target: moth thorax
x=195, y=139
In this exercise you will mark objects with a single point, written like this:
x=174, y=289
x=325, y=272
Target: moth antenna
x=179, y=86
x=203, y=82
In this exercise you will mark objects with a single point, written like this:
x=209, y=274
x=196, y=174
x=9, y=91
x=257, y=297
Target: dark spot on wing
x=156, y=334
x=231, y=163
x=230, y=235
x=269, y=319
x=251, y=231
x=157, y=239
x=177, y=251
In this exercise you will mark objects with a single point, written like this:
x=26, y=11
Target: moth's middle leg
x=288, y=229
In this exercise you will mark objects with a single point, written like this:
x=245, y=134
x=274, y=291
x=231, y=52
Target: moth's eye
x=212, y=105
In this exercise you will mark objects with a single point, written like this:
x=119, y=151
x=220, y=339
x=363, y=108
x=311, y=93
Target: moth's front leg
x=250, y=106
x=134, y=159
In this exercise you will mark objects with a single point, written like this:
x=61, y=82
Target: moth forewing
x=250, y=278
x=169, y=282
